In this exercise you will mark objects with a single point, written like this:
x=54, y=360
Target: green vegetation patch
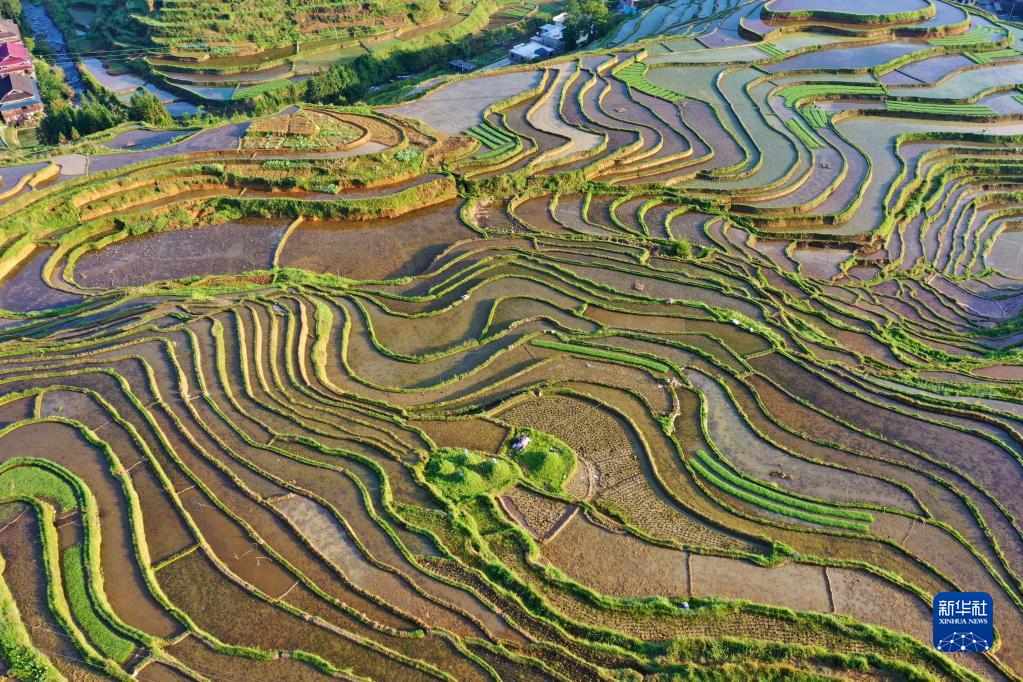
x=794, y=94
x=634, y=75
x=989, y=57
x=302, y=131
x=491, y=137
x=978, y=36
x=604, y=354
x=814, y=115
x=24, y=661
x=522, y=11
x=939, y=109
x=545, y=461
x=82, y=607
x=799, y=127
x=770, y=49
x=37, y=482
x=258, y=89
x=772, y=499
x=462, y=474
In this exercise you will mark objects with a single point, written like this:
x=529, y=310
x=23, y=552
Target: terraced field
x=696, y=358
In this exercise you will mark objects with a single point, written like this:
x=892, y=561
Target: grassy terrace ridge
x=634, y=75
x=691, y=358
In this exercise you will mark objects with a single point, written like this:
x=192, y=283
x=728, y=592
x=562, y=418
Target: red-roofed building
x=14, y=58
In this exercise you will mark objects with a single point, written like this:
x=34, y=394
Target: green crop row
x=794, y=94
x=989, y=57
x=769, y=505
x=95, y=628
x=978, y=36
x=814, y=115
x=797, y=126
x=489, y=136
x=603, y=354
x=725, y=472
x=35, y=481
x=253, y=90
x=24, y=661
x=770, y=49
x=634, y=75
x=941, y=109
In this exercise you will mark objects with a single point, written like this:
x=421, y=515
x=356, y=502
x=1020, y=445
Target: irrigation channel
x=43, y=29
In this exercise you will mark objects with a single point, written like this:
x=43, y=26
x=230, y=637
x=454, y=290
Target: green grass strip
x=981, y=34
x=95, y=628
x=36, y=482
x=482, y=138
x=495, y=152
x=634, y=75
x=497, y=132
x=797, y=126
x=795, y=93
x=24, y=661
x=772, y=493
x=603, y=354
x=487, y=137
x=814, y=115
x=768, y=505
x=942, y=109
x=770, y=49
x=989, y=57
x=253, y=90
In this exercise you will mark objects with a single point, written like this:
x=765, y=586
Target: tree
x=64, y=123
x=332, y=85
x=586, y=20
x=147, y=108
x=11, y=9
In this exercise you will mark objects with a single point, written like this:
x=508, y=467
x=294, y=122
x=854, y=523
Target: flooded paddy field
x=385, y=249
x=213, y=250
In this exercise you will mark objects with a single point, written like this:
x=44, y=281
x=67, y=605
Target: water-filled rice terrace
x=692, y=358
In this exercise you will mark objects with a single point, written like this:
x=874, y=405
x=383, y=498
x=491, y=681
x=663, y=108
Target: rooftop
x=16, y=91
x=531, y=50
x=13, y=51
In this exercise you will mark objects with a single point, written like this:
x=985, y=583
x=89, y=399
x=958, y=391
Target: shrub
x=546, y=461
x=464, y=474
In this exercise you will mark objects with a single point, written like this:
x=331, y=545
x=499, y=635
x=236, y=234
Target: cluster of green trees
x=349, y=82
x=11, y=9
x=99, y=109
x=587, y=20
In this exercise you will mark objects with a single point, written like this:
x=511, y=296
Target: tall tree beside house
x=10, y=9
x=147, y=108
x=52, y=86
x=586, y=20
x=64, y=123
